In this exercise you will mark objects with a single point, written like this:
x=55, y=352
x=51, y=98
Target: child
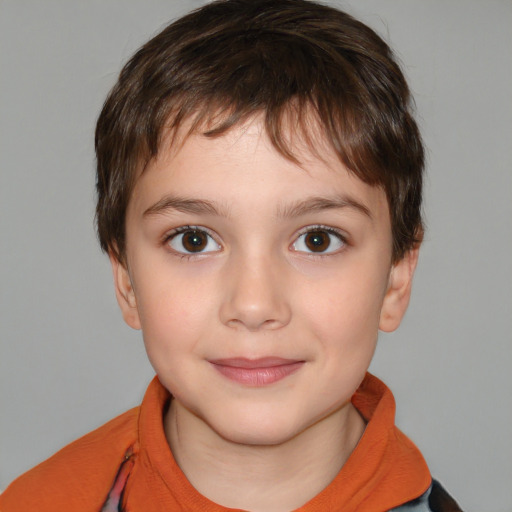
x=259, y=195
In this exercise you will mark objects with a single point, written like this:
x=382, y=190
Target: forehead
x=242, y=169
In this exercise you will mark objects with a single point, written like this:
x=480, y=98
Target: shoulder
x=440, y=501
x=78, y=476
x=436, y=499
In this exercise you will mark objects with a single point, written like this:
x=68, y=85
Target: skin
x=256, y=290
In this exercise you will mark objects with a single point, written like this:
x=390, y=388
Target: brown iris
x=194, y=241
x=317, y=241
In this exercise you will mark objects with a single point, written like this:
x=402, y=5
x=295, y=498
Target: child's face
x=259, y=285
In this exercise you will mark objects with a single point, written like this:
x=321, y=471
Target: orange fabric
x=78, y=477
x=384, y=471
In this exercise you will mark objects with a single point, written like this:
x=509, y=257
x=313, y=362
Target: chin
x=269, y=431
x=258, y=438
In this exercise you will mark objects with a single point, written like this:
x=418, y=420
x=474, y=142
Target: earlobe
x=125, y=293
x=398, y=292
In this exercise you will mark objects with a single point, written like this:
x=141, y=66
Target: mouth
x=256, y=372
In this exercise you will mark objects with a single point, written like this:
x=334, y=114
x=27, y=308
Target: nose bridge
x=255, y=295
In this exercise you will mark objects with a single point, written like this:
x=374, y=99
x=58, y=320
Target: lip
x=256, y=372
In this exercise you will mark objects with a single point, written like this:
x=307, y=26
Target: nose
x=255, y=295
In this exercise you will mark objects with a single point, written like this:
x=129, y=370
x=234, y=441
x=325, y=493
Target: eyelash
x=309, y=229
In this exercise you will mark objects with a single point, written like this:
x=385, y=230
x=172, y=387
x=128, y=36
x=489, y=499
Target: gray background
x=67, y=361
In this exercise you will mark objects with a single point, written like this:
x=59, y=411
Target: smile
x=256, y=372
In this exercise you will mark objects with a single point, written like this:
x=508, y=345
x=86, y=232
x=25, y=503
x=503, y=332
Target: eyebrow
x=315, y=204
x=181, y=204
x=296, y=209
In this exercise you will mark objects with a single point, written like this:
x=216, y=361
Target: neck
x=273, y=478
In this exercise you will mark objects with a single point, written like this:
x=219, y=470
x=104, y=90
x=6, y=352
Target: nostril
x=253, y=325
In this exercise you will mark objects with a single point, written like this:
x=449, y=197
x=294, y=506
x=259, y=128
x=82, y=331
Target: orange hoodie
x=384, y=471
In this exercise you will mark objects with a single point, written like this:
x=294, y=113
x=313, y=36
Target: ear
x=398, y=293
x=124, y=293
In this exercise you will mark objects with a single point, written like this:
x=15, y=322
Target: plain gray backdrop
x=67, y=361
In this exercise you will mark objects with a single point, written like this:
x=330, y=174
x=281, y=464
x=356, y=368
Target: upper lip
x=262, y=362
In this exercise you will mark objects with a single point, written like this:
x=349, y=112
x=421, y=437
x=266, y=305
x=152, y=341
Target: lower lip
x=256, y=377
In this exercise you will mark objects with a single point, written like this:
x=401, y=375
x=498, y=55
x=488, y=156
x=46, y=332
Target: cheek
x=345, y=309
x=172, y=305
x=174, y=322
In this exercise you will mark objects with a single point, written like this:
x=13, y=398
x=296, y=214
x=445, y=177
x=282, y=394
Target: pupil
x=194, y=241
x=317, y=241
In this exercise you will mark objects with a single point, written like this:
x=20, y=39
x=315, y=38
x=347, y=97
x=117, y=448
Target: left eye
x=191, y=241
x=320, y=241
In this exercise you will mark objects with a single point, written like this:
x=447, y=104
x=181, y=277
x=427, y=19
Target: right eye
x=192, y=241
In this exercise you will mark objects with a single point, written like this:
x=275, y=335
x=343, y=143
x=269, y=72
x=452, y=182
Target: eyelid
x=188, y=227
x=321, y=227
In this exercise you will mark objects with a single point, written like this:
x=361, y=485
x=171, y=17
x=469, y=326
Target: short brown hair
x=238, y=58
